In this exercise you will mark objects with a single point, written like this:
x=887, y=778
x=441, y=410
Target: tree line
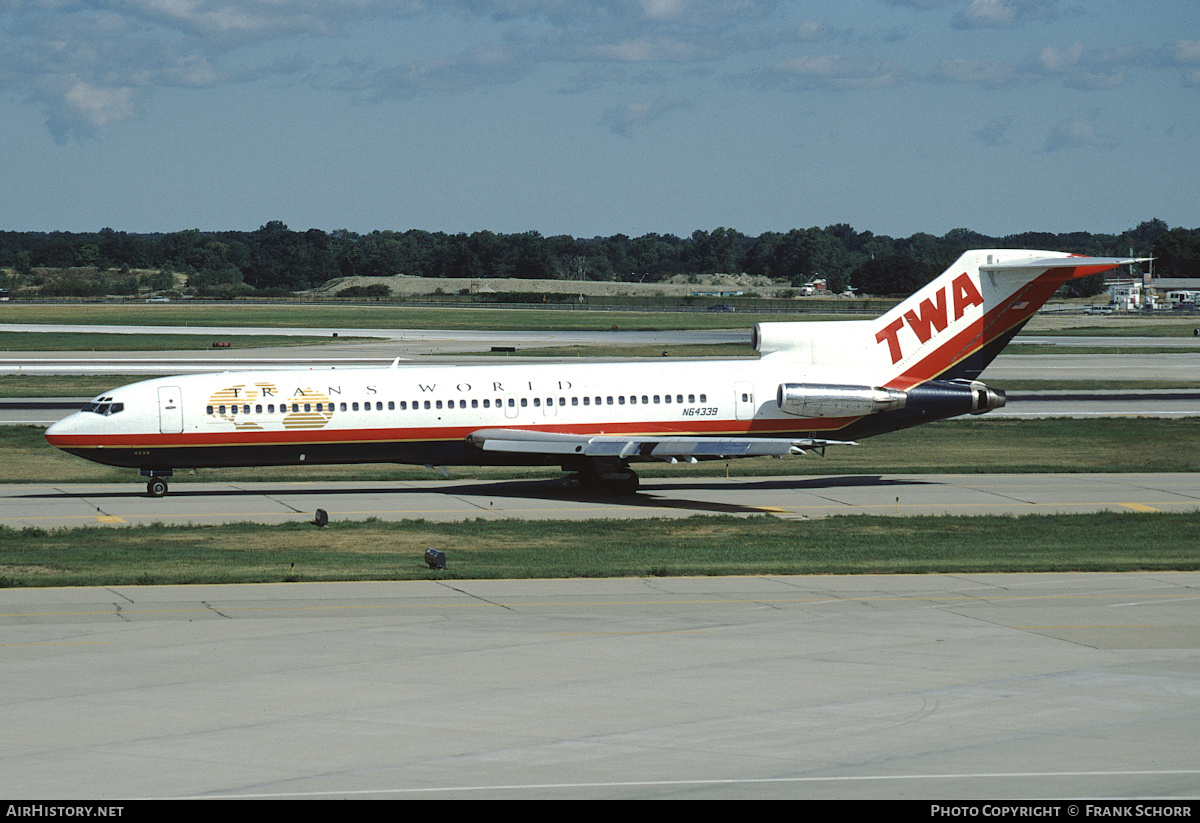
x=275, y=259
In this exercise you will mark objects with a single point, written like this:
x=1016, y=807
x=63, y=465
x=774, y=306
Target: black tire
x=156, y=488
x=625, y=487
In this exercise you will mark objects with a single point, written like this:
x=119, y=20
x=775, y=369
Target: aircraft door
x=510, y=406
x=170, y=410
x=743, y=400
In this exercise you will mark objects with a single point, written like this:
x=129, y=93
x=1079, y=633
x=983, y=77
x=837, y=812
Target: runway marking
x=109, y=518
x=1140, y=507
x=734, y=781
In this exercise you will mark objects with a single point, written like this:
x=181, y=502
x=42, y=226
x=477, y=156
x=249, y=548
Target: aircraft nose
x=67, y=426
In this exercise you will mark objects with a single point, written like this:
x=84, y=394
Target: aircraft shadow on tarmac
x=561, y=489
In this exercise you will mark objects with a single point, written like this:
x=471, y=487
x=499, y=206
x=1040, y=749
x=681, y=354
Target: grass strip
x=82, y=341
x=701, y=545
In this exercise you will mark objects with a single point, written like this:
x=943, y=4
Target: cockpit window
x=103, y=406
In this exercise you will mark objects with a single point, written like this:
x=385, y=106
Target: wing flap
x=644, y=447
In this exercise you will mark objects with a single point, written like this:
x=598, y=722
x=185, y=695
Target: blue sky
x=593, y=118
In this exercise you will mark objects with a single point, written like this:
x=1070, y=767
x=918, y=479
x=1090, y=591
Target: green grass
x=372, y=316
x=1115, y=348
x=1143, y=327
x=711, y=545
x=691, y=350
x=75, y=341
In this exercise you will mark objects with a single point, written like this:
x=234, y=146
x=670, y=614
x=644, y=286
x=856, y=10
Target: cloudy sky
x=593, y=117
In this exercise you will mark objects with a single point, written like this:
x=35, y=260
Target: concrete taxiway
x=908, y=686
x=53, y=506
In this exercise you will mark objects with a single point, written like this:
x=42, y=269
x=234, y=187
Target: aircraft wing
x=670, y=448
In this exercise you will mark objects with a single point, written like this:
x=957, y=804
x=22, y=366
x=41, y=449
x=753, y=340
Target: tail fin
x=950, y=329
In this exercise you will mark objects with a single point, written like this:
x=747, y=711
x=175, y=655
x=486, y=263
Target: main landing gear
x=612, y=477
x=157, y=484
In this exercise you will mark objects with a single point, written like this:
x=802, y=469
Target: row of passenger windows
x=487, y=403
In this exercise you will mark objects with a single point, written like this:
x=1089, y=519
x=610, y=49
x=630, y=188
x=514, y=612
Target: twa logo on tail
x=931, y=316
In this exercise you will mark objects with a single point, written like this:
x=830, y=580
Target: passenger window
x=645, y=399
x=439, y=404
x=208, y=410
x=537, y=402
x=666, y=398
x=621, y=400
x=258, y=409
x=610, y=401
x=587, y=401
x=691, y=398
x=524, y=402
x=391, y=405
x=487, y=404
x=220, y=410
x=656, y=399
x=474, y=403
x=511, y=402
x=703, y=398
x=575, y=401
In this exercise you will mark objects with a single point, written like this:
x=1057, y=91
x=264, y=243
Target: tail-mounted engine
x=985, y=398
x=936, y=399
x=815, y=400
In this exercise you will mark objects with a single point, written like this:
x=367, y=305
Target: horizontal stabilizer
x=1097, y=263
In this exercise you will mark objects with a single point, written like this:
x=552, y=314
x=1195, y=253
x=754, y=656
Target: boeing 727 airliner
x=815, y=385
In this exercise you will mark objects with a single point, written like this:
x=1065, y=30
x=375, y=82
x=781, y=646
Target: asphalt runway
x=908, y=686
x=54, y=506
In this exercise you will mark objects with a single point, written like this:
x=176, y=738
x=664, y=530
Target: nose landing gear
x=157, y=484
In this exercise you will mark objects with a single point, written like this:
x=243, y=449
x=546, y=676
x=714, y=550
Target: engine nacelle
x=822, y=401
x=984, y=398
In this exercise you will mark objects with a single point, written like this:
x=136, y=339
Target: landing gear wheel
x=156, y=488
x=625, y=486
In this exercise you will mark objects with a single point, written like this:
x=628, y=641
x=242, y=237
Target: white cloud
x=995, y=131
x=481, y=67
x=1004, y=13
x=621, y=120
x=1079, y=131
x=836, y=72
